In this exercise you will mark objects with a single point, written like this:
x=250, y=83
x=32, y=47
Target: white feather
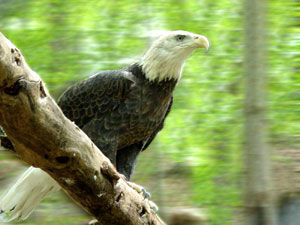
x=26, y=194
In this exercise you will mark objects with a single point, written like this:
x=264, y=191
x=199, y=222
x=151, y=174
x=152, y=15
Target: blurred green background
x=196, y=161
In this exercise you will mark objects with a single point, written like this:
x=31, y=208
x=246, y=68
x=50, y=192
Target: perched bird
x=120, y=110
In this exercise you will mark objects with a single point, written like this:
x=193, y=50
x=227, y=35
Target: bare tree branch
x=45, y=138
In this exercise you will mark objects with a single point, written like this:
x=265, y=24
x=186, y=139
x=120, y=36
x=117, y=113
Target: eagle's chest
x=144, y=111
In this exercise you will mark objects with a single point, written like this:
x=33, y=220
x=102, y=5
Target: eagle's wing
x=90, y=104
x=98, y=95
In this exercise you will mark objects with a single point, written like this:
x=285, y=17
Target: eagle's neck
x=165, y=86
x=160, y=65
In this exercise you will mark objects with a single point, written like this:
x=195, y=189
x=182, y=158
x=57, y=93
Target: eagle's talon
x=153, y=206
x=146, y=194
x=123, y=176
x=140, y=189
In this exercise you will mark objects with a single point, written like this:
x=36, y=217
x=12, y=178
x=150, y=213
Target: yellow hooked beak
x=201, y=41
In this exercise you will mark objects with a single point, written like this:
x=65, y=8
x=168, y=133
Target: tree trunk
x=259, y=202
x=45, y=138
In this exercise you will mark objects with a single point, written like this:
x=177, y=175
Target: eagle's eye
x=179, y=37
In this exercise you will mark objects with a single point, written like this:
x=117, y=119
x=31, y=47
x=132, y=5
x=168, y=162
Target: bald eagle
x=120, y=110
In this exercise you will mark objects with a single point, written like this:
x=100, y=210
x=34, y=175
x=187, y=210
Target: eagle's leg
x=126, y=160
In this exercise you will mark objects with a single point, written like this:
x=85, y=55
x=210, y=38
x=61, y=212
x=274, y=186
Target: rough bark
x=43, y=137
x=259, y=202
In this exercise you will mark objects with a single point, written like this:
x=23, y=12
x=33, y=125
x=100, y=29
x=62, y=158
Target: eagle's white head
x=165, y=58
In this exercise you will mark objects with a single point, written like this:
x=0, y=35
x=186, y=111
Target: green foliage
x=66, y=41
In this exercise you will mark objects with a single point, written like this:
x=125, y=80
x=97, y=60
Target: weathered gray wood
x=45, y=138
x=259, y=202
